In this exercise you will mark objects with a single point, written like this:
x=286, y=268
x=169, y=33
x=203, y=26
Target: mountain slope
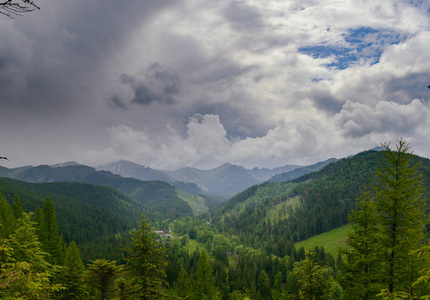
x=158, y=197
x=296, y=173
x=323, y=200
x=84, y=212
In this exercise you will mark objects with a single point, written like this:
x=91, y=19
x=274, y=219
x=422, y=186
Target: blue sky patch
x=361, y=44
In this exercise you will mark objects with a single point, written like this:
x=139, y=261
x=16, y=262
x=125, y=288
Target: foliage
x=388, y=224
x=101, y=274
x=310, y=277
x=49, y=233
x=146, y=262
x=71, y=276
x=24, y=272
x=204, y=287
x=184, y=285
x=362, y=266
x=85, y=213
x=401, y=209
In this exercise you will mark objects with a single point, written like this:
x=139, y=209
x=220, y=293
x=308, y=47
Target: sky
x=174, y=83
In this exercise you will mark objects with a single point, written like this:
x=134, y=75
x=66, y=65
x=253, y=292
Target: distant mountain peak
x=377, y=148
x=66, y=164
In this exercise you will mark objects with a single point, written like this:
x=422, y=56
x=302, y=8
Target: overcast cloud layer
x=168, y=84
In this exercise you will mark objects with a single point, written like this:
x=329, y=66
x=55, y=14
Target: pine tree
x=26, y=273
x=50, y=237
x=38, y=218
x=310, y=277
x=71, y=276
x=26, y=245
x=6, y=217
x=204, y=287
x=146, y=262
x=17, y=207
x=263, y=285
x=101, y=275
x=184, y=285
x=361, y=268
x=387, y=226
x=401, y=207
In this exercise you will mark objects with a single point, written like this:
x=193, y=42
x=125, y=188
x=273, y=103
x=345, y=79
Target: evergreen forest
x=114, y=238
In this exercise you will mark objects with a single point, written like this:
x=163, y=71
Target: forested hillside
x=270, y=214
x=84, y=212
x=158, y=197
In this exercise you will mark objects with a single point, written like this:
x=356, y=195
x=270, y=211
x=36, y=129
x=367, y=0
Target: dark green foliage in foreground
x=49, y=233
x=205, y=282
x=389, y=225
x=71, y=276
x=101, y=275
x=25, y=272
x=146, y=262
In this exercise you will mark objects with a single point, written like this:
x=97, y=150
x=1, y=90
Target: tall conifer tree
x=205, y=282
x=101, y=275
x=184, y=286
x=362, y=267
x=29, y=273
x=17, y=207
x=50, y=237
x=6, y=217
x=146, y=262
x=310, y=278
x=387, y=225
x=401, y=206
x=71, y=276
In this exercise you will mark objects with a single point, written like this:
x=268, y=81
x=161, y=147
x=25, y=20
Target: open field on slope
x=196, y=203
x=329, y=240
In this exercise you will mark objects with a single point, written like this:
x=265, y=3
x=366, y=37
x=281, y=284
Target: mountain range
x=225, y=180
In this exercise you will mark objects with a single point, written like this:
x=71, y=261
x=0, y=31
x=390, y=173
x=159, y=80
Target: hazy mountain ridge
x=225, y=180
x=130, y=169
x=296, y=173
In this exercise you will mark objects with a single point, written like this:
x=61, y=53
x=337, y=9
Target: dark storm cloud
x=56, y=55
x=242, y=16
x=158, y=85
x=413, y=86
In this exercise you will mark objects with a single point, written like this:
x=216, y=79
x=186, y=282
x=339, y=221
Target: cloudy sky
x=173, y=83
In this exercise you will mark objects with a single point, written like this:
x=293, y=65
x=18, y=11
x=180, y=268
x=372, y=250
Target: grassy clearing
x=329, y=240
x=193, y=245
x=197, y=203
